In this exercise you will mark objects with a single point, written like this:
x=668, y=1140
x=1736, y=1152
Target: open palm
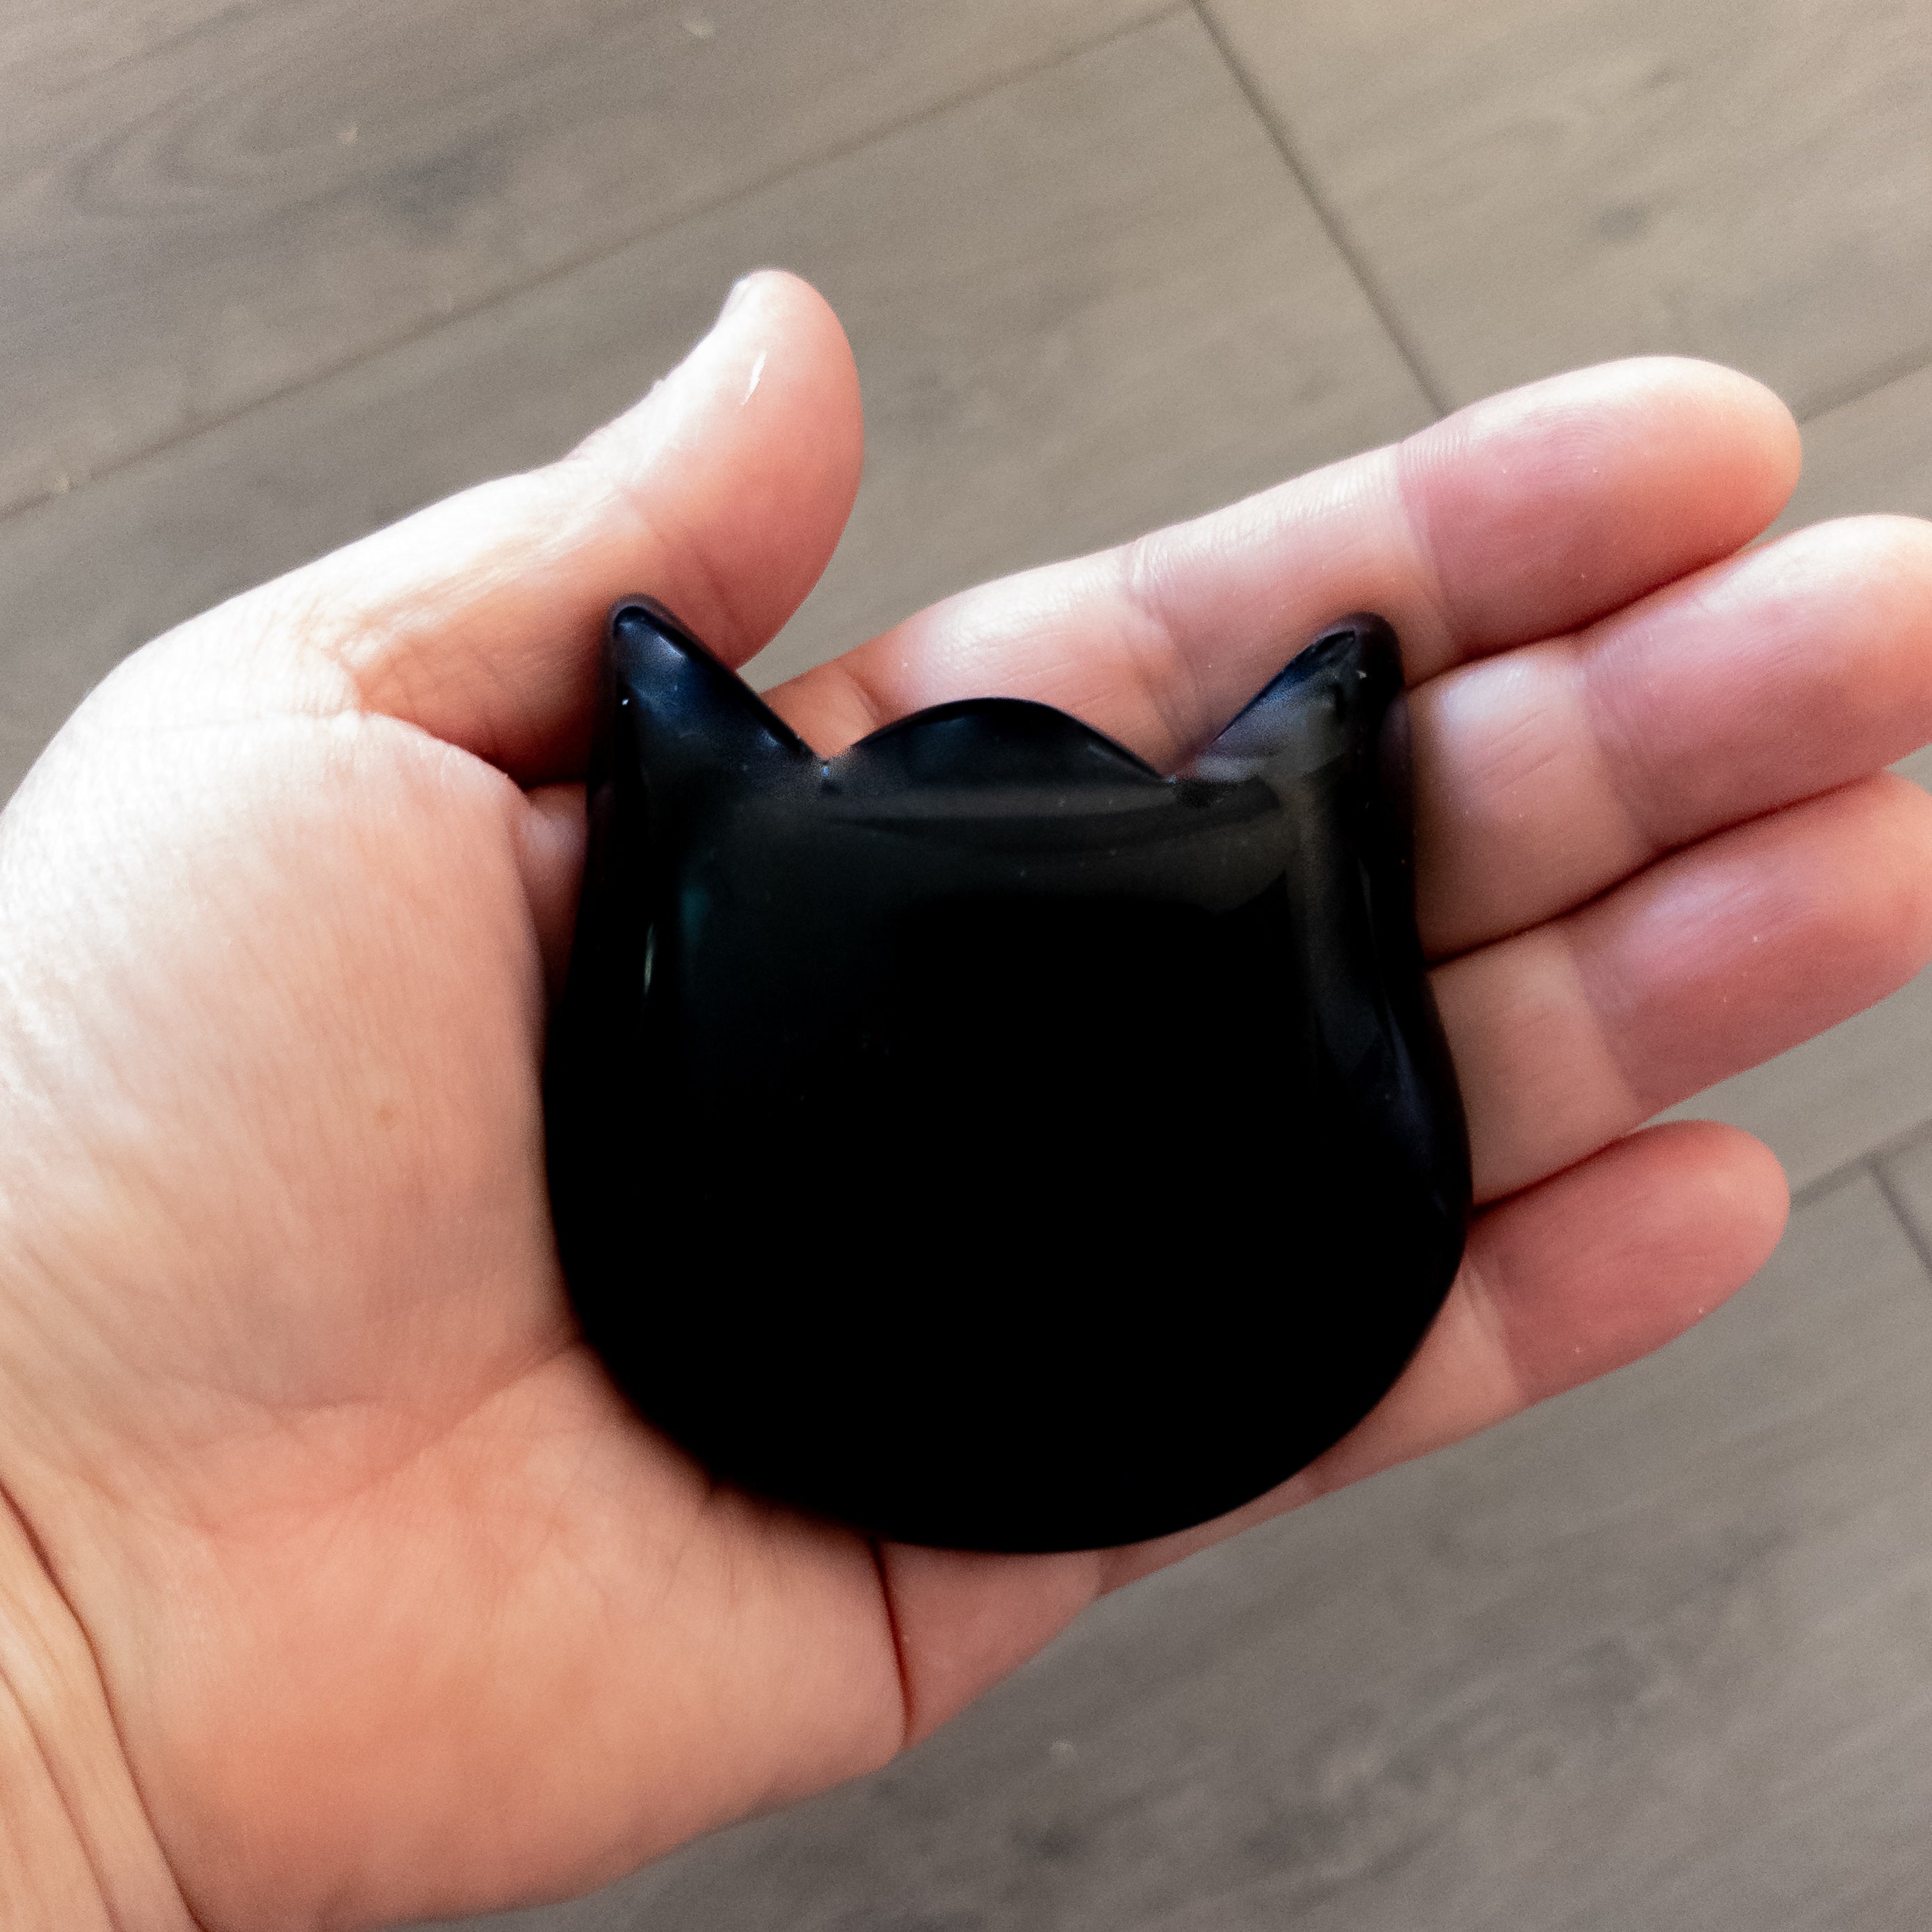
x=398, y=1610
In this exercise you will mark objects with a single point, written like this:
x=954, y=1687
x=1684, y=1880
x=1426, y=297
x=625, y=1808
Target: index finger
x=1528, y=515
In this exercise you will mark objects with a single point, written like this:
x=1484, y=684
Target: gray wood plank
x=1906, y=1171
x=1084, y=304
x=201, y=203
x=1872, y=453
x=1655, y=1655
x=1535, y=185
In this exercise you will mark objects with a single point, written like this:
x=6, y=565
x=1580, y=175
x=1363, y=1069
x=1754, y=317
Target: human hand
x=396, y=1609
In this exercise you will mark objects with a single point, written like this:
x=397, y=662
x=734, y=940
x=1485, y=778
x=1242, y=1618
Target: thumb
x=723, y=493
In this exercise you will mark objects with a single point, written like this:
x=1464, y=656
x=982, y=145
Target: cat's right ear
x=687, y=716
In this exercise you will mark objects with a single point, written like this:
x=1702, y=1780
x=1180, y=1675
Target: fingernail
x=740, y=288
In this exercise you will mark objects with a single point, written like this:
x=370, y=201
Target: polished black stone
x=982, y=1138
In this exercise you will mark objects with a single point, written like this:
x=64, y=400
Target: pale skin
x=337, y=1585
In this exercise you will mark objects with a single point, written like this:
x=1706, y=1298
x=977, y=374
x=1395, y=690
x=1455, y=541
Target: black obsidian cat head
x=982, y=1138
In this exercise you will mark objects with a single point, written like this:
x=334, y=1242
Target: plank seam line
x=1888, y=374
x=1275, y=126
x=1908, y=1226
x=576, y=264
x=1872, y=1159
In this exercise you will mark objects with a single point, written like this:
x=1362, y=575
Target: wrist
x=77, y=1850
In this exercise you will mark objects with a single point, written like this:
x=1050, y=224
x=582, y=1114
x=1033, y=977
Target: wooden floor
x=1657, y=1656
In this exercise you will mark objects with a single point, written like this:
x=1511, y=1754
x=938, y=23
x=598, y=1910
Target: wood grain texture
x=203, y=203
x=1090, y=304
x=1086, y=303
x=1658, y=1654
x=1538, y=184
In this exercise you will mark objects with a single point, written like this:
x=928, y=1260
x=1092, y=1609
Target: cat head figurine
x=981, y=1138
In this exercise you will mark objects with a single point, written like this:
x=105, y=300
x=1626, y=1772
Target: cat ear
x=687, y=716
x=1328, y=705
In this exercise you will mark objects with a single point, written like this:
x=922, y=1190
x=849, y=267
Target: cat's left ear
x=687, y=715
